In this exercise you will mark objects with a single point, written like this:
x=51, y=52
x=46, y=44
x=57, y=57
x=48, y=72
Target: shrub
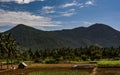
x=50, y=61
x=38, y=60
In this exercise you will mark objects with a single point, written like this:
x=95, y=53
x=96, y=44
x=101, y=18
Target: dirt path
x=94, y=71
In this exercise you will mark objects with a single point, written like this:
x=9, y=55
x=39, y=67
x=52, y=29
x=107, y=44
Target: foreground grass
x=60, y=73
x=108, y=64
x=117, y=74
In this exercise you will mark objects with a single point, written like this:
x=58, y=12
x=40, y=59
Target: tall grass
x=108, y=64
x=60, y=73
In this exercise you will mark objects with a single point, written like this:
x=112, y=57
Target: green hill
x=97, y=34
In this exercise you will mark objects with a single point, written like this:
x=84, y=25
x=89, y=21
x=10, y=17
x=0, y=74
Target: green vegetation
x=8, y=48
x=69, y=55
x=29, y=37
x=60, y=73
x=12, y=54
x=108, y=64
x=9, y=51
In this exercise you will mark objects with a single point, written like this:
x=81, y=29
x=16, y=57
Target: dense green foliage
x=9, y=51
x=8, y=48
x=60, y=73
x=67, y=55
x=97, y=34
x=77, y=54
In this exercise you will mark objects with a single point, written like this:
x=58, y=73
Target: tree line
x=9, y=51
x=89, y=53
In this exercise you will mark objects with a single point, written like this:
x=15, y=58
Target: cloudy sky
x=59, y=14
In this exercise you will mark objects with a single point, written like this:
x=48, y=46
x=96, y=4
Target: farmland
x=108, y=64
x=58, y=61
x=63, y=69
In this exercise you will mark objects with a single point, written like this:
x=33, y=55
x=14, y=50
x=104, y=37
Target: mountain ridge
x=96, y=34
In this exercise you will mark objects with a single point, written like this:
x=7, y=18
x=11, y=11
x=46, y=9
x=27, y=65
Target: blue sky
x=59, y=14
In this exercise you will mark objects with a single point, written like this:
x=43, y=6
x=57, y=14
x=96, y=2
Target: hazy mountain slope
x=97, y=34
x=33, y=38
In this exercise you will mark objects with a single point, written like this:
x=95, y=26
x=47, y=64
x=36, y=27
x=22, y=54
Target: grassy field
x=60, y=73
x=108, y=63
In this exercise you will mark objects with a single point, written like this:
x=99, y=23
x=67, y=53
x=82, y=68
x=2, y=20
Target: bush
x=84, y=57
x=50, y=61
x=38, y=60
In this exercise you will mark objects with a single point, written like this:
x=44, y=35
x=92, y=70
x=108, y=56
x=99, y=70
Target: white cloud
x=20, y=1
x=79, y=22
x=48, y=9
x=14, y=18
x=86, y=23
x=68, y=13
x=74, y=3
x=91, y=2
x=78, y=4
x=81, y=6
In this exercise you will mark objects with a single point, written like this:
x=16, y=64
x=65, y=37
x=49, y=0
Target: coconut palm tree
x=1, y=50
x=11, y=47
x=8, y=45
